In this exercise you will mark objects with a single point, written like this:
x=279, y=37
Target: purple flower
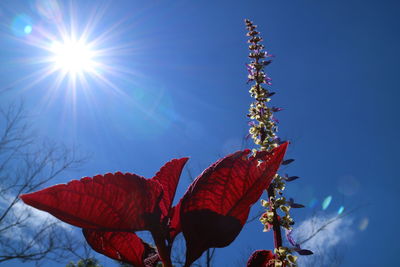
x=270, y=94
x=268, y=55
x=287, y=161
x=266, y=62
x=250, y=69
x=296, y=246
x=294, y=205
x=276, y=109
x=291, y=240
x=278, y=140
x=275, y=120
x=291, y=178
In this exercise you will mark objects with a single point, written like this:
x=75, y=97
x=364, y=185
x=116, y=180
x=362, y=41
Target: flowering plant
x=263, y=131
x=111, y=208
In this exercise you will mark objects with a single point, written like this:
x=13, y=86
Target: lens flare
x=363, y=224
x=326, y=202
x=76, y=56
x=21, y=25
x=28, y=29
x=340, y=211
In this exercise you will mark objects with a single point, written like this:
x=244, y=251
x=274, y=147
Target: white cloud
x=323, y=234
x=31, y=220
x=37, y=217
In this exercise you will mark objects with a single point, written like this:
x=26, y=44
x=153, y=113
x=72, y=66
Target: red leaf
x=121, y=246
x=261, y=258
x=168, y=177
x=175, y=224
x=120, y=202
x=217, y=204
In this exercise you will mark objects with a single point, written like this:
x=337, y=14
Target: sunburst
x=70, y=54
x=73, y=56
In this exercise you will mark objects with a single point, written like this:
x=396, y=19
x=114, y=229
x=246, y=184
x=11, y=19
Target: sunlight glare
x=73, y=57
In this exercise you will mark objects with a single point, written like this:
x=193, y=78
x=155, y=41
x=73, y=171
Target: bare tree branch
x=27, y=164
x=326, y=224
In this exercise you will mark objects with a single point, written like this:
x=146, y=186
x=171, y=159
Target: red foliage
x=212, y=212
x=121, y=246
x=175, y=224
x=116, y=202
x=261, y=258
x=217, y=204
x=168, y=176
x=113, y=202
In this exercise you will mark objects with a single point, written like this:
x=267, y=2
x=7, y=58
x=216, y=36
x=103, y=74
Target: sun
x=73, y=56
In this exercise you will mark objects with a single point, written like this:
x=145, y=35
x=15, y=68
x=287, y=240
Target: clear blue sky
x=173, y=84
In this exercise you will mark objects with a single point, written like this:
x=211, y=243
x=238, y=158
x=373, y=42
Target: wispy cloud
x=37, y=217
x=324, y=235
x=25, y=220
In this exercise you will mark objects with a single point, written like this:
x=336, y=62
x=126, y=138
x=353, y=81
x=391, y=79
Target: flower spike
x=263, y=130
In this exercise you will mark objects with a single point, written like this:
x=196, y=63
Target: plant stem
x=163, y=250
x=264, y=126
x=275, y=225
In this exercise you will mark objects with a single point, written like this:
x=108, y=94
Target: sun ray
x=78, y=59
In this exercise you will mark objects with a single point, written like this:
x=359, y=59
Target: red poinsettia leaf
x=168, y=177
x=217, y=204
x=175, y=224
x=113, y=202
x=122, y=246
x=261, y=258
x=204, y=229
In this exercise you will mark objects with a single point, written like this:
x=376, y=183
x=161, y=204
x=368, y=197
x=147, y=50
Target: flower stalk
x=263, y=130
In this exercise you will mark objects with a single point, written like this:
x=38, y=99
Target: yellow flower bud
x=281, y=250
x=292, y=258
x=285, y=209
x=264, y=203
x=278, y=263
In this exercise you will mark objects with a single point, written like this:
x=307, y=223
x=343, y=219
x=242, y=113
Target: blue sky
x=173, y=84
